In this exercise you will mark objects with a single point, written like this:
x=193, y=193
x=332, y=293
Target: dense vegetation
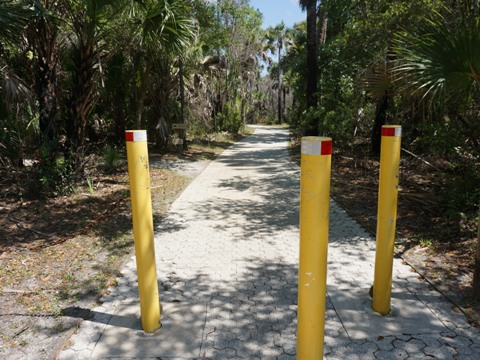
x=415, y=64
x=74, y=74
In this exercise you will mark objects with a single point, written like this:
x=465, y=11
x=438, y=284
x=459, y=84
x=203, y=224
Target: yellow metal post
x=314, y=220
x=138, y=171
x=386, y=217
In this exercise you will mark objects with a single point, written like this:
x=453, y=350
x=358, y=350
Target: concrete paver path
x=227, y=259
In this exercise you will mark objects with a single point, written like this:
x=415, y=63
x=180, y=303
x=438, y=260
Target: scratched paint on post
x=144, y=161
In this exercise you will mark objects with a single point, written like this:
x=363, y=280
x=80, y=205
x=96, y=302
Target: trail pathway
x=227, y=259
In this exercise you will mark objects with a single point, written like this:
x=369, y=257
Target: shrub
x=111, y=158
x=9, y=146
x=55, y=172
x=230, y=120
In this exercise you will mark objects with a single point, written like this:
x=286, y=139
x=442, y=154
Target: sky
x=274, y=11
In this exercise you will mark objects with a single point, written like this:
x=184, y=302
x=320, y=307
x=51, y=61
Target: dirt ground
x=439, y=249
x=58, y=255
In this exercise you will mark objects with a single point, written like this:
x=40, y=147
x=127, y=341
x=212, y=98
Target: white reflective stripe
x=139, y=136
x=398, y=131
x=312, y=147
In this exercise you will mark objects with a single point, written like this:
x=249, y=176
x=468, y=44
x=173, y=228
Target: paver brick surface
x=231, y=241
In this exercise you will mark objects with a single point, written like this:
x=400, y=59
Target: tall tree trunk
x=312, y=99
x=141, y=96
x=322, y=26
x=83, y=98
x=43, y=39
x=380, y=120
x=271, y=96
x=322, y=39
x=243, y=107
x=47, y=102
x=279, y=105
x=119, y=126
x=139, y=68
x=183, y=132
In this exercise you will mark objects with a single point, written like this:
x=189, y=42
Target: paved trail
x=227, y=259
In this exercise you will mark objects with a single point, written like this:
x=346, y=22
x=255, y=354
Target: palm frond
x=379, y=79
x=13, y=19
x=167, y=26
x=13, y=87
x=440, y=59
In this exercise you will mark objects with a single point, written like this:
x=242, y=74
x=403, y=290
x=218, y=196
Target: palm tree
x=163, y=31
x=276, y=37
x=42, y=36
x=441, y=62
x=86, y=20
x=13, y=20
x=311, y=7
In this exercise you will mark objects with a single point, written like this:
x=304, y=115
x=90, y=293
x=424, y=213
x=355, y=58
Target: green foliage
x=338, y=123
x=198, y=130
x=461, y=199
x=425, y=242
x=269, y=120
x=440, y=63
x=119, y=70
x=13, y=18
x=166, y=26
x=229, y=120
x=301, y=120
x=439, y=137
x=369, y=30
x=9, y=146
x=16, y=136
x=441, y=59
x=91, y=188
x=111, y=158
x=54, y=172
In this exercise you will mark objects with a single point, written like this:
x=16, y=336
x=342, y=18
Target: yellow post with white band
x=314, y=221
x=138, y=171
x=386, y=217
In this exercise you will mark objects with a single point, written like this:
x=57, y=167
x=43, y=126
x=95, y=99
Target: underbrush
x=439, y=197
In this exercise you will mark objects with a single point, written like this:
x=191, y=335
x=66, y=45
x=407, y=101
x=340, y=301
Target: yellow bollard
x=386, y=217
x=314, y=221
x=138, y=172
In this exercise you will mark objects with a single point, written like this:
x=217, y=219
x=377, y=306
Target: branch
x=423, y=160
x=18, y=223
